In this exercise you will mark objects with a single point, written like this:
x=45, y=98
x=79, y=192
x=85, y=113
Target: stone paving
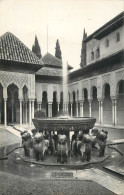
x=48, y=181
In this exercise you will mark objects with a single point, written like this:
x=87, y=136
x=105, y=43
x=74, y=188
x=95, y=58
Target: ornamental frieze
x=18, y=79
x=120, y=75
x=106, y=79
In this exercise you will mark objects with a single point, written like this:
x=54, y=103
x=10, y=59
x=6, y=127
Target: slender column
x=23, y=111
x=90, y=108
x=71, y=109
x=5, y=107
x=99, y=112
x=26, y=110
x=115, y=112
x=81, y=108
x=67, y=107
x=30, y=112
x=77, y=109
x=20, y=112
x=32, y=109
x=58, y=106
x=49, y=109
x=40, y=106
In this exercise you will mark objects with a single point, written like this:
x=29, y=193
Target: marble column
x=40, y=104
x=90, y=108
x=26, y=112
x=29, y=112
x=71, y=109
x=5, y=111
x=81, y=108
x=114, y=112
x=20, y=112
x=101, y=111
x=32, y=109
x=77, y=109
x=58, y=103
x=49, y=109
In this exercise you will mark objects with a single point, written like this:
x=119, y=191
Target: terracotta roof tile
x=49, y=59
x=11, y=48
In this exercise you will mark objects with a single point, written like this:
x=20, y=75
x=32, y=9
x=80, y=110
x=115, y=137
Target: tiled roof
x=11, y=48
x=46, y=71
x=49, y=59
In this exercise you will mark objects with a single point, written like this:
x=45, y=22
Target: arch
x=54, y=104
x=94, y=103
x=13, y=109
x=86, y=102
x=120, y=102
x=107, y=105
x=44, y=103
x=25, y=93
x=93, y=92
x=61, y=100
x=106, y=87
x=120, y=87
x=84, y=91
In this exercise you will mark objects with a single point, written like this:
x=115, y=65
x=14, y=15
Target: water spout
x=65, y=86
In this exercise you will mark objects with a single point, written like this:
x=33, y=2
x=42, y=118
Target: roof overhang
x=109, y=29
x=98, y=65
x=113, y=24
x=13, y=64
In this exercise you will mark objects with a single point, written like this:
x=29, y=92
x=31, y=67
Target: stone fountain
x=64, y=122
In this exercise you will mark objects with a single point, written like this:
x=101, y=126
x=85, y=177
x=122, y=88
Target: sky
x=66, y=20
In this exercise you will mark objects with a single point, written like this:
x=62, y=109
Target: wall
x=114, y=46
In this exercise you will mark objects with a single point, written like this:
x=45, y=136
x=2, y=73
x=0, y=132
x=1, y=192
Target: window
x=107, y=43
x=92, y=55
x=98, y=52
x=117, y=37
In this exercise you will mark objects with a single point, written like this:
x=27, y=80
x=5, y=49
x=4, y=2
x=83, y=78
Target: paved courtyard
x=18, y=177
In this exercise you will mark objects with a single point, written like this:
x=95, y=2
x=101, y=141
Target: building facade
x=96, y=89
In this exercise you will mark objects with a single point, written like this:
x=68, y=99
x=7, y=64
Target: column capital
x=113, y=97
x=20, y=100
x=100, y=99
x=5, y=99
x=81, y=101
x=50, y=103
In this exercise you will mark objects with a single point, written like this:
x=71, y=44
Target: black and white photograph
x=61, y=97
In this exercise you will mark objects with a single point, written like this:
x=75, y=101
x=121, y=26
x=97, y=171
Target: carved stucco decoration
x=106, y=79
x=20, y=80
x=93, y=82
x=7, y=78
x=44, y=87
x=120, y=75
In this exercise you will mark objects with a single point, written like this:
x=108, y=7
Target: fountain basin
x=64, y=123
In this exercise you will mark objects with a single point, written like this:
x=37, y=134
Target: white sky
x=66, y=20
